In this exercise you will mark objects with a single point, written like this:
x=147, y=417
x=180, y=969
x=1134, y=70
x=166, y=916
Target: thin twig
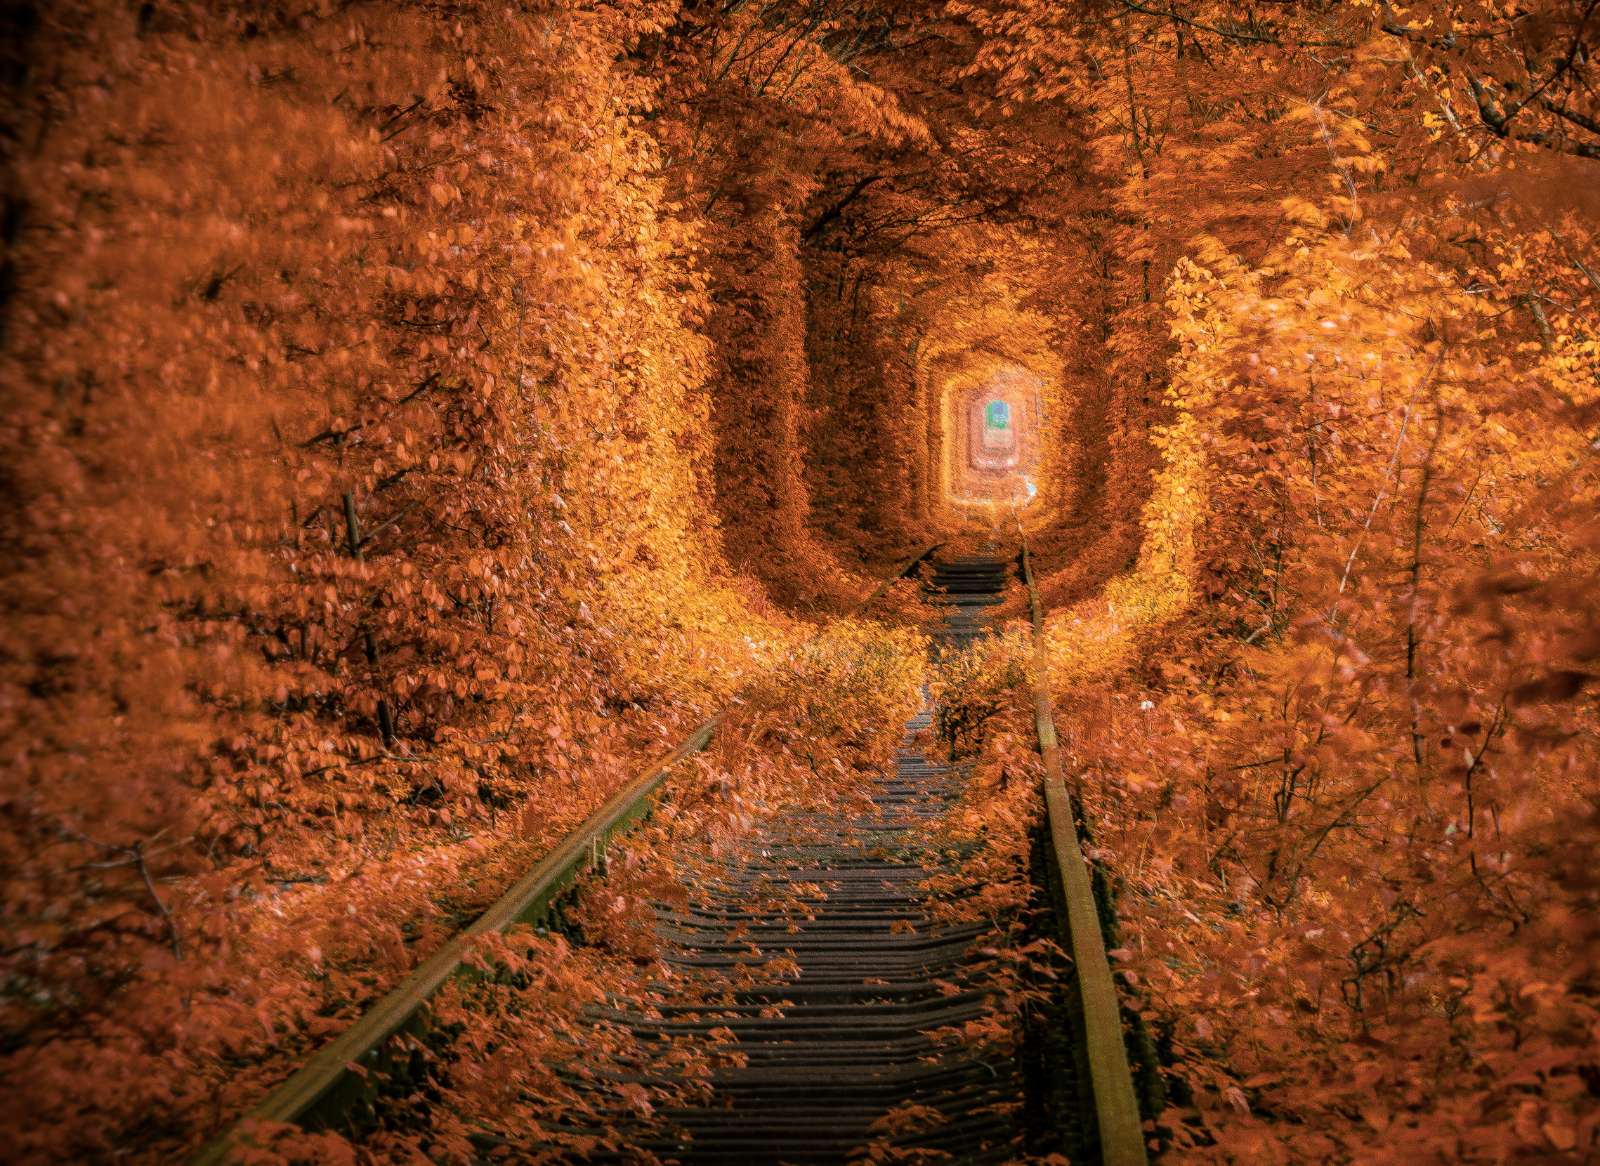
x=137, y=850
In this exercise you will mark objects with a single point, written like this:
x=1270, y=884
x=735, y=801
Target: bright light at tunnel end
x=991, y=437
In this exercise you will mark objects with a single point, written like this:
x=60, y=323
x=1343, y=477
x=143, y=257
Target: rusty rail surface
x=1116, y=1106
x=340, y=1076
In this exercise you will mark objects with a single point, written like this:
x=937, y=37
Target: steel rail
x=338, y=1076
x=1120, y=1129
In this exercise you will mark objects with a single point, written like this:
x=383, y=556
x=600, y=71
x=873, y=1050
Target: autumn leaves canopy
x=414, y=414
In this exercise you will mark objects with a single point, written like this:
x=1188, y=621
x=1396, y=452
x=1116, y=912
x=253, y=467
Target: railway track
x=836, y=1044
x=841, y=1043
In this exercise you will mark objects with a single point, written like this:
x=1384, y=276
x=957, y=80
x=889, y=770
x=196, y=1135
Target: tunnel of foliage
x=419, y=414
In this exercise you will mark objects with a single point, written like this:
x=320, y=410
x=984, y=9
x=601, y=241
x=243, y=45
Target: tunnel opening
x=991, y=435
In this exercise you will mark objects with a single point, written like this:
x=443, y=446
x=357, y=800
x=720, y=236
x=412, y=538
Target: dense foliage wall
x=1335, y=725
x=358, y=523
